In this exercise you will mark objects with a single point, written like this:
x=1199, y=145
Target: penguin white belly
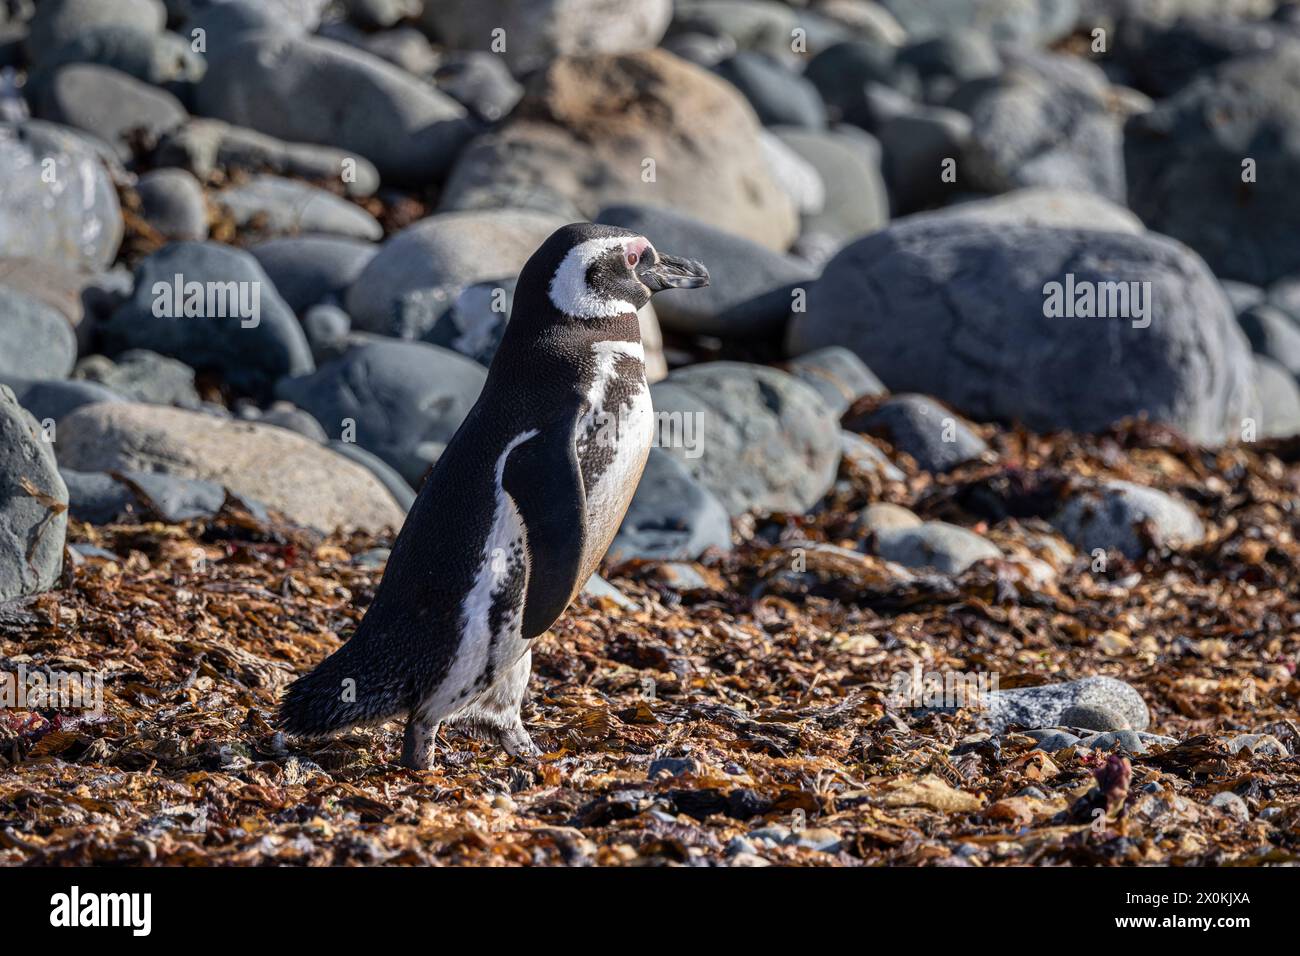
x=619, y=429
x=491, y=616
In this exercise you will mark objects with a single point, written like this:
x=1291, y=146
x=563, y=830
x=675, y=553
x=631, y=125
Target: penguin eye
x=632, y=260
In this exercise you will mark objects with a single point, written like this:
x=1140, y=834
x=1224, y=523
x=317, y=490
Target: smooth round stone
x=252, y=339
x=882, y=516
x=1279, y=399
x=36, y=340
x=1093, y=717
x=1043, y=706
x=402, y=401
x=117, y=108
x=309, y=270
x=80, y=224
x=864, y=456
x=920, y=426
x=480, y=82
x=326, y=327
x=57, y=22
x=777, y=94
x=49, y=401
x=947, y=548
x=174, y=204
x=838, y=376
x=288, y=207
x=1274, y=334
x=855, y=199
x=142, y=376
x=1109, y=516
x=757, y=437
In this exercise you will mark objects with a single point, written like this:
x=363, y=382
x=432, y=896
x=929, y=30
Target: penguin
x=516, y=513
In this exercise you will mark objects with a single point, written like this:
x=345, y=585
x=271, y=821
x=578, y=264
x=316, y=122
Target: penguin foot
x=418, y=744
x=517, y=743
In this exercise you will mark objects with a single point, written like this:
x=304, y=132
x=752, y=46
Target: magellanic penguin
x=516, y=513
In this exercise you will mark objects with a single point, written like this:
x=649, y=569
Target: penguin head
x=599, y=272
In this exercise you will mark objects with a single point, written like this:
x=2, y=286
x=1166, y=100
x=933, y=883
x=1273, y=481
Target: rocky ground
x=914, y=438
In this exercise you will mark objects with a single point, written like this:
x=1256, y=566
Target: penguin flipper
x=544, y=478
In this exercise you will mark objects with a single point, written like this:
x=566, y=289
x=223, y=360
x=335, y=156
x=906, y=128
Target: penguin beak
x=672, y=272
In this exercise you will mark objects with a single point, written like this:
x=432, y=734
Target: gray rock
x=480, y=82
x=48, y=401
x=143, y=376
x=380, y=14
x=672, y=516
x=35, y=339
x=538, y=31
x=57, y=22
x=671, y=767
x=397, y=486
x=777, y=94
x=1111, y=516
x=405, y=47
x=173, y=204
x=981, y=289
x=1262, y=745
x=795, y=175
x=1043, y=706
x=865, y=456
x=1273, y=334
x=117, y=108
x=291, y=16
x=1242, y=295
x=1163, y=58
x=175, y=499
x=472, y=323
x=1093, y=717
x=307, y=482
x=1033, y=23
x=1232, y=805
x=920, y=426
x=1052, y=740
x=1128, y=741
x=1279, y=399
x=96, y=497
x=449, y=251
x=223, y=22
x=916, y=146
x=250, y=351
x=287, y=207
x=1045, y=121
x=837, y=375
x=159, y=59
x=404, y=400
x=1048, y=206
x=289, y=87
x=844, y=73
x=1179, y=155
x=203, y=145
x=758, y=438
x=750, y=291
x=764, y=26
x=326, y=327
x=74, y=219
x=598, y=587
x=881, y=516
x=947, y=548
x=309, y=270
x=286, y=415
x=33, y=505
x=856, y=201
x=946, y=61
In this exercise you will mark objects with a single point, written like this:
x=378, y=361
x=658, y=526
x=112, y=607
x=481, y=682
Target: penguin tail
x=341, y=692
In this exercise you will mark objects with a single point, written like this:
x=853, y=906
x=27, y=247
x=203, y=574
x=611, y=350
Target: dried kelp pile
x=734, y=712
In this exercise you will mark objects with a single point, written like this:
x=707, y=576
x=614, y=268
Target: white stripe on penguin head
x=569, y=291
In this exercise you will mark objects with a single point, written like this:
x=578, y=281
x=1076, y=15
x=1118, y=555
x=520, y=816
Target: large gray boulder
x=236, y=324
x=964, y=311
x=536, y=31
x=757, y=437
x=1186, y=162
x=306, y=481
x=57, y=201
x=33, y=505
x=401, y=401
x=310, y=90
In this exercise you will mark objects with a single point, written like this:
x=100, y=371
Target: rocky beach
x=970, y=534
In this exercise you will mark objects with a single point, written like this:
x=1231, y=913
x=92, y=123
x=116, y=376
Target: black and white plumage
x=516, y=513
